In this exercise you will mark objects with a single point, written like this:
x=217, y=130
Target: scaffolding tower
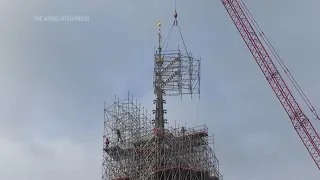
x=147, y=153
x=138, y=147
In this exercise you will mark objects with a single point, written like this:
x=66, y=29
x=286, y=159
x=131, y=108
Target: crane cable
x=166, y=42
x=279, y=60
x=185, y=47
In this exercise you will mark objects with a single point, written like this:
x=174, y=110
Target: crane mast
x=300, y=121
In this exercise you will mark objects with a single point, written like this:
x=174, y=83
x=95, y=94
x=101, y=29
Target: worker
x=107, y=142
x=183, y=130
x=119, y=136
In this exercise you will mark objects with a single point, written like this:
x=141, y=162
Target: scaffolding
x=138, y=147
x=147, y=153
x=180, y=73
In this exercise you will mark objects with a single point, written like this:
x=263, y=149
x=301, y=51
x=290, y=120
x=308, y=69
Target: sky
x=55, y=77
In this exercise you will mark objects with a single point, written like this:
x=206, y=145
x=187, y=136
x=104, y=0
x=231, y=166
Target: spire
x=159, y=34
x=159, y=111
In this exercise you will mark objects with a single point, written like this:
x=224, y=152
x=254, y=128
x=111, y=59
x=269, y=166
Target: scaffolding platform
x=117, y=153
x=151, y=153
x=176, y=173
x=122, y=178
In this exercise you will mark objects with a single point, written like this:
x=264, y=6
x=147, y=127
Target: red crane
x=249, y=30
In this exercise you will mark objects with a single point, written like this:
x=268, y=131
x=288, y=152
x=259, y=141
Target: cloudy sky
x=55, y=77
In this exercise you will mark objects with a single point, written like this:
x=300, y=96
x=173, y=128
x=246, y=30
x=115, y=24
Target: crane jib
x=300, y=121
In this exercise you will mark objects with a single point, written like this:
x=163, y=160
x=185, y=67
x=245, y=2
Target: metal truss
x=180, y=73
x=147, y=153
